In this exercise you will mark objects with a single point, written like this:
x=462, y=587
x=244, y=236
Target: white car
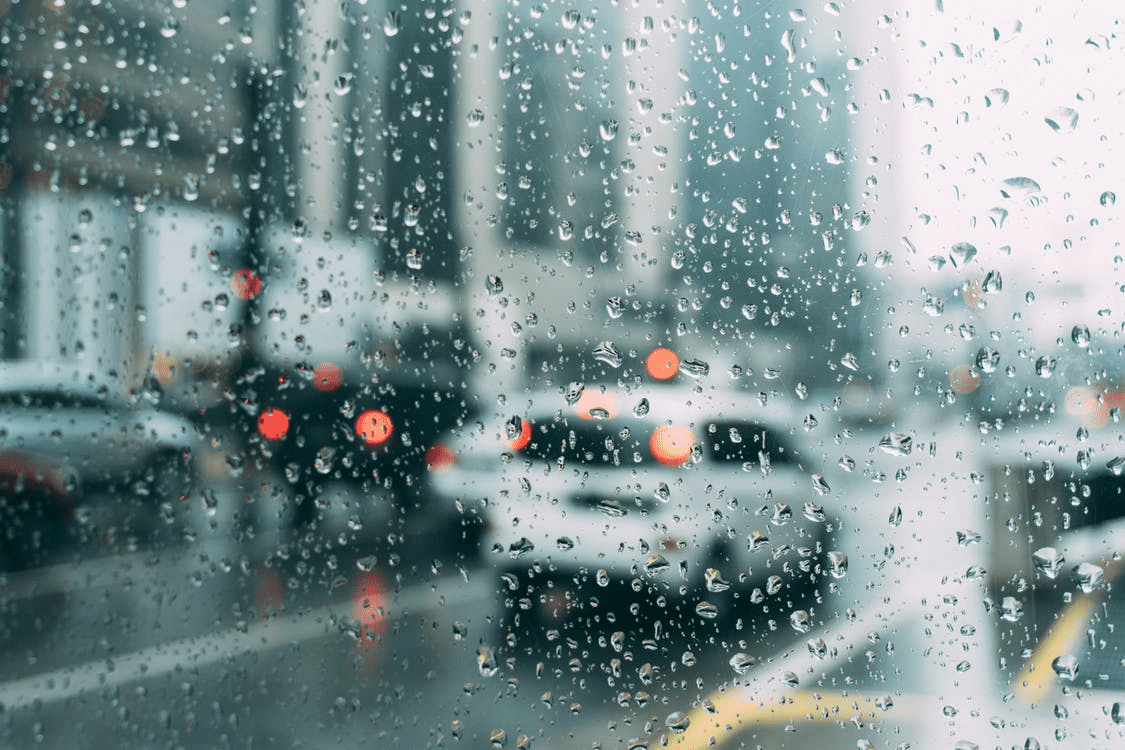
x=674, y=492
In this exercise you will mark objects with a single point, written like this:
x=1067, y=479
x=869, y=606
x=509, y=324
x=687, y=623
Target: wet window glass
x=536, y=373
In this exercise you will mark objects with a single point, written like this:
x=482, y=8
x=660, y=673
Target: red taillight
x=439, y=457
x=672, y=444
x=374, y=427
x=273, y=424
x=518, y=441
x=245, y=284
x=662, y=363
x=327, y=377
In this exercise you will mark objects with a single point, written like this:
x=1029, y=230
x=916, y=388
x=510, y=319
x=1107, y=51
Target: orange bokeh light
x=597, y=405
x=439, y=457
x=273, y=424
x=327, y=377
x=662, y=363
x=374, y=427
x=964, y=379
x=672, y=444
x=520, y=441
x=245, y=284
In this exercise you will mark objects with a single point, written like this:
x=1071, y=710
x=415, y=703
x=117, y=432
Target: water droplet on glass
x=573, y=392
x=707, y=610
x=343, y=84
x=475, y=118
x=837, y=564
x=656, y=564
x=642, y=408
x=1065, y=666
x=1048, y=561
x=799, y=621
x=606, y=352
x=695, y=368
x=1019, y=187
x=895, y=518
x=1116, y=465
x=1045, y=366
x=1011, y=609
x=817, y=647
x=571, y=18
x=521, y=547
x=815, y=512
x=820, y=485
x=896, y=444
x=602, y=577
x=987, y=359
x=494, y=285
x=1108, y=198
x=615, y=307
x=1080, y=335
x=850, y=361
x=993, y=283
x=486, y=662
x=170, y=27
x=715, y=581
x=608, y=130
x=1061, y=119
x=961, y=253
x=787, y=45
x=774, y=584
x=677, y=722
x=741, y=663
x=1088, y=576
x=324, y=300
x=996, y=98
x=391, y=23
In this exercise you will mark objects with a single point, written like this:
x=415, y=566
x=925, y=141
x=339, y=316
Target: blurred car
x=678, y=493
x=81, y=464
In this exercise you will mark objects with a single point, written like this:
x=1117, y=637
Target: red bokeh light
x=273, y=424
x=327, y=377
x=520, y=441
x=662, y=363
x=440, y=457
x=245, y=284
x=374, y=427
x=672, y=444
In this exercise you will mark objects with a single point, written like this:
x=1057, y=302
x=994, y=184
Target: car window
x=526, y=374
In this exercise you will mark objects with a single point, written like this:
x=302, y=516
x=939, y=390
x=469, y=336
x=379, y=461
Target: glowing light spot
x=662, y=363
x=166, y=369
x=520, y=441
x=672, y=444
x=327, y=377
x=374, y=427
x=369, y=597
x=596, y=405
x=273, y=424
x=439, y=457
x=1081, y=401
x=964, y=379
x=245, y=284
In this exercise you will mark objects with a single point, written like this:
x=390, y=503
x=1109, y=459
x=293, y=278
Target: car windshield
x=531, y=374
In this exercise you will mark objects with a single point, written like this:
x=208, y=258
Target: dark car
x=85, y=468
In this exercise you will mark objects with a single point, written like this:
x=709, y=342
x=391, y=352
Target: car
x=85, y=466
x=682, y=494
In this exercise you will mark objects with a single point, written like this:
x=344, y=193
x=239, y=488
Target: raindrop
x=850, y=361
x=573, y=392
x=602, y=577
x=1011, y=609
x=819, y=485
x=678, y=722
x=656, y=564
x=837, y=564
x=564, y=543
x=324, y=300
x=987, y=359
x=571, y=18
x=996, y=98
x=1048, y=561
x=787, y=45
x=715, y=582
x=1080, y=335
x=895, y=518
x=606, y=352
x=1116, y=465
x=741, y=663
x=1062, y=119
x=486, y=662
x=344, y=83
x=993, y=283
x=475, y=118
x=1108, y=198
x=1088, y=576
x=817, y=647
x=519, y=548
x=608, y=130
x=773, y=585
x=1065, y=666
x=494, y=285
x=642, y=408
x=695, y=368
x=799, y=621
x=615, y=307
x=1019, y=187
x=814, y=512
x=896, y=444
x=1045, y=366
x=391, y=23
x=962, y=252
x=707, y=610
